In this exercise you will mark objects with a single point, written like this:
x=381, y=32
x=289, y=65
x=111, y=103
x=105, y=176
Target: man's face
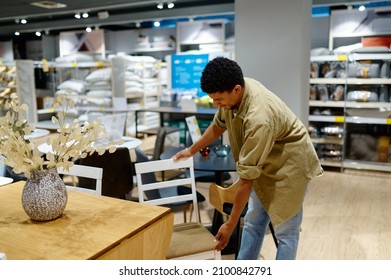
x=227, y=99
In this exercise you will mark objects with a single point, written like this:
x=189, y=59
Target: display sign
x=347, y=23
x=187, y=70
x=82, y=41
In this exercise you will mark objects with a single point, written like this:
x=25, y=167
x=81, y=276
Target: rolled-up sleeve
x=219, y=120
x=257, y=145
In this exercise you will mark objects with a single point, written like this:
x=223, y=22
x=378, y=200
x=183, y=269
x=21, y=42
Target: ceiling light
x=38, y=33
x=88, y=29
x=77, y=15
x=48, y=4
x=23, y=21
x=17, y=33
x=156, y=23
x=85, y=15
x=138, y=24
x=160, y=6
x=170, y=5
x=361, y=8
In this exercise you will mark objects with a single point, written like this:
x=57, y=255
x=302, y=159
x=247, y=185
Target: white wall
x=272, y=43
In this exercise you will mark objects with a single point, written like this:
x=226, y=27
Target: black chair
x=118, y=172
x=166, y=192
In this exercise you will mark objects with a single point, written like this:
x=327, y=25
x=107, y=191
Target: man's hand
x=223, y=235
x=182, y=154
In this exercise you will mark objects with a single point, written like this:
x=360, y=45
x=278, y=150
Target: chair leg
x=191, y=213
x=199, y=213
x=273, y=234
x=184, y=207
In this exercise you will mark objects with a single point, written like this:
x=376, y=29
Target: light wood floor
x=347, y=216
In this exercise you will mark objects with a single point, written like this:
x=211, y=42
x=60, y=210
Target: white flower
x=72, y=140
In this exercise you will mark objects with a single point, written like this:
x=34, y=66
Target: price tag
x=74, y=64
x=339, y=119
x=342, y=57
x=45, y=66
x=100, y=64
x=388, y=121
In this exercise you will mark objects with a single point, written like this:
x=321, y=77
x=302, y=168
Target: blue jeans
x=254, y=229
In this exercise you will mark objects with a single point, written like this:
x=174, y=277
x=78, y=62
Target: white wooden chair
x=86, y=172
x=188, y=240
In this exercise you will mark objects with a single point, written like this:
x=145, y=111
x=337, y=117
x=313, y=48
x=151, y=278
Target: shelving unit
x=327, y=114
x=364, y=125
x=137, y=80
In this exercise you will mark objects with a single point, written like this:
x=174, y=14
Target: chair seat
x=188, y=239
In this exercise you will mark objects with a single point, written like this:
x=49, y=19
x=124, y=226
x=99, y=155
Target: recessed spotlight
x=160, y=6
x=361, y=8
x=17, y=33
x=77, y=15
x=85, y=15
x=88, y=29
x=170, y=5
x=38, y=33
x=23, y=21
x=156, y=23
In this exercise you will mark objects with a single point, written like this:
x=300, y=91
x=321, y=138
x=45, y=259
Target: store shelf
x=336, y=57
x=375, y=105
x=327, y=103
x=364, y=120
x=336, y=141
x=368, y=81
x=376, y=166
x=318, y=118
x=325, y=81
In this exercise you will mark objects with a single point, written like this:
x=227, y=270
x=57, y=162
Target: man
x=274, y=155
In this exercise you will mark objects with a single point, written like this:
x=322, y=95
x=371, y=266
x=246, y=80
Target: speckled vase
x=44, y=195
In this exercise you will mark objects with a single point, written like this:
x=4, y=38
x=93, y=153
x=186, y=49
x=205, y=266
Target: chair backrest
x=90, y=172
x=117, y=180
x=159, y=143
x=149, y=177
x=164, y=165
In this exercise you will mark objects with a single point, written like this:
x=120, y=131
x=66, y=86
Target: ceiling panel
x=121, y=13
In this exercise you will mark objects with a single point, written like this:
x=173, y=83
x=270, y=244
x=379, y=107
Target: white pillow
x=133, y=84
x=80, y=57
x=133, y=90
x=99, y=93
x=98, y=83
x=99, y=75
x=73, y=84
x=130, y=76
x=97, y=101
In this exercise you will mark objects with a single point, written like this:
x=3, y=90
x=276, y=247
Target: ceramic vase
x=44, y=195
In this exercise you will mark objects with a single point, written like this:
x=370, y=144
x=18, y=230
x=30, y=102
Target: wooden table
x=92, y=227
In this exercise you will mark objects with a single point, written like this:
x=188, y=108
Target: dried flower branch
x=72, y=140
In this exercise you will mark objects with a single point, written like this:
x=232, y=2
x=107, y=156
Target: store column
x=272, y=45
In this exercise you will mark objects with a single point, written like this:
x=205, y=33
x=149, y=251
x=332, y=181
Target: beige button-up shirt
x=272, y=147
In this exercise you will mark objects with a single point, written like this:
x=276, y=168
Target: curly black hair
x=221, y=74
